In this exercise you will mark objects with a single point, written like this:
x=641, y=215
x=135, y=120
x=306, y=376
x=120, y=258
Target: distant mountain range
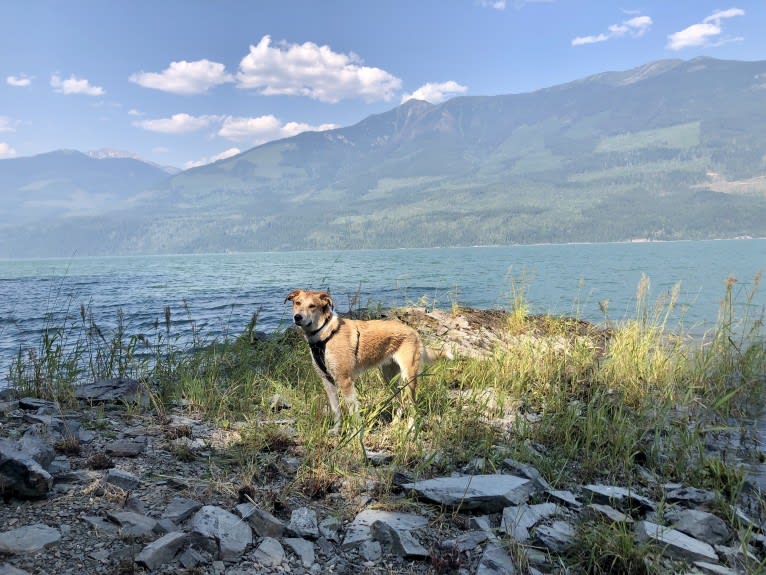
x=670, y=150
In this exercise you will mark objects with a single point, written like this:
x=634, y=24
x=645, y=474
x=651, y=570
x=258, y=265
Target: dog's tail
x=429, y=356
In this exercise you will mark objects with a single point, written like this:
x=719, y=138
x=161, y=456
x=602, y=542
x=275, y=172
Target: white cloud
x=177, y=124
x=135, y=112
x=703, y=33
x=264, y=129
x=185, y=77
x=6, y=151
x=222, y=156
x=21, y=81
x=436, y=93
x=634, y=27
x=313, y=71
x=5, y=124
x=74, y=85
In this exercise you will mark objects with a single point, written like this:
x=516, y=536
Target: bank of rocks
x=101, y=491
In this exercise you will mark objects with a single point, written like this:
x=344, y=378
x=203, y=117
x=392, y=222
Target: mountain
x=104, y=153
x=673, y=149
x=64, y=184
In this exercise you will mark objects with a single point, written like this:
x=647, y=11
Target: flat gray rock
x=263, y=523
x=518, y=520
x=180, y=509
x=162, y=550
x=495, y=561
x=619, y=497
x=269, y=552
x=675, y=544
x=20, y=473
x=401, y=542
x=8, y=569
x=700, y=525
x=359, y=530
x=610, y=513
x=302, y=548
x=29, y=539
x=133, y=524
x=231, y=535
x=126, y=447
x=122, y=479
x=303, y=523
x=489, y=493
x=557, y=536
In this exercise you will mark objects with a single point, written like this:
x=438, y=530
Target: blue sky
x=183, y=82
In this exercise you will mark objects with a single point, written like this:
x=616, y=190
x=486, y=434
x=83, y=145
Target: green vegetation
x=582, y=403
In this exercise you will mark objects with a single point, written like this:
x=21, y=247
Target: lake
x=217, y=294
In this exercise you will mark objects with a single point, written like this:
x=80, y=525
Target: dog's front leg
x=332, y=397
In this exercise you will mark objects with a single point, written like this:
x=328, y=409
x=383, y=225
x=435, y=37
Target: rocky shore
x=112, y=489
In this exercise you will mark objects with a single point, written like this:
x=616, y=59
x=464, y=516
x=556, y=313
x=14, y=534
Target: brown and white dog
x=344, y=348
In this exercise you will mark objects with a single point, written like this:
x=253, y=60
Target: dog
x=342, y=349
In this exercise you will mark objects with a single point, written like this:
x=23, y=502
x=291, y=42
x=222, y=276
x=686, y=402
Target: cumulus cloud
x=75, y=85
x=6, y=124
x=185, y=77
x=705, y=33
x=634, y=27
x=177, y=124
x=222, y=156
x=264, y=129
x=135, y=112
x=21, y=81
x=313, y=71
x=436, y=93
x=6, y=151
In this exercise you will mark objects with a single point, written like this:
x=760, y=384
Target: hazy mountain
x=67, y=183
x=672, y=149
x=105, y=153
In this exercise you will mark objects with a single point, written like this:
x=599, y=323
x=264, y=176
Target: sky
x=187, y=82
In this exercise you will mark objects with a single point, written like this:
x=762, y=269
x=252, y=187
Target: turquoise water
x=218, y=294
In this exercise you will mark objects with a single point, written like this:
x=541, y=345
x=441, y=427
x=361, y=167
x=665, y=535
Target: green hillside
x=669, y=150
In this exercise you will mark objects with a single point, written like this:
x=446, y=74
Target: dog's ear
x=326, y=300
x=292, y=295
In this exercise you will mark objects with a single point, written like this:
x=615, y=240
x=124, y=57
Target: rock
x=714, y=569
x=624, y=499
x=483, y=523
x=518, y=520
x=180, y=509
x=691, y=496
x=270, y=552
x=126, y=447
x=359, y=530
x=101, y=525
x=29, y=539
x=162, y=550
x=7, y=407
x=526, y=470
x=35, y=403
x=191, y=558
x=495, y=561
x=401, y=542
x=489, y=493
x=20, y=473
x=371, y=551
x=263, y=523
x=117, y=389
x=302, y=548
x=122, y=479
x=557, y=536
x=466, y=541
x=565, y=497
x=133, y=524
x=700, y=525
x=610, y=513
x=230, y=534
x=303, y=523
x=330, y=528
x=165, y=526
x=35, y=442
x=675, y=544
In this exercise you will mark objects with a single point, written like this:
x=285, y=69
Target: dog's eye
x=312, y=306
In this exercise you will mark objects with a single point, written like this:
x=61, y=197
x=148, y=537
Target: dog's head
x=310, y=308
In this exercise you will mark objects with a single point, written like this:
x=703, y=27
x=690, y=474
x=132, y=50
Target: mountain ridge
x=610, y=157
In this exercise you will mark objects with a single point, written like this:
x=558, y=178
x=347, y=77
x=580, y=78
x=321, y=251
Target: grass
x=582, y=403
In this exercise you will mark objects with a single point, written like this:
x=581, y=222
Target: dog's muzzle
x=298, y=319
